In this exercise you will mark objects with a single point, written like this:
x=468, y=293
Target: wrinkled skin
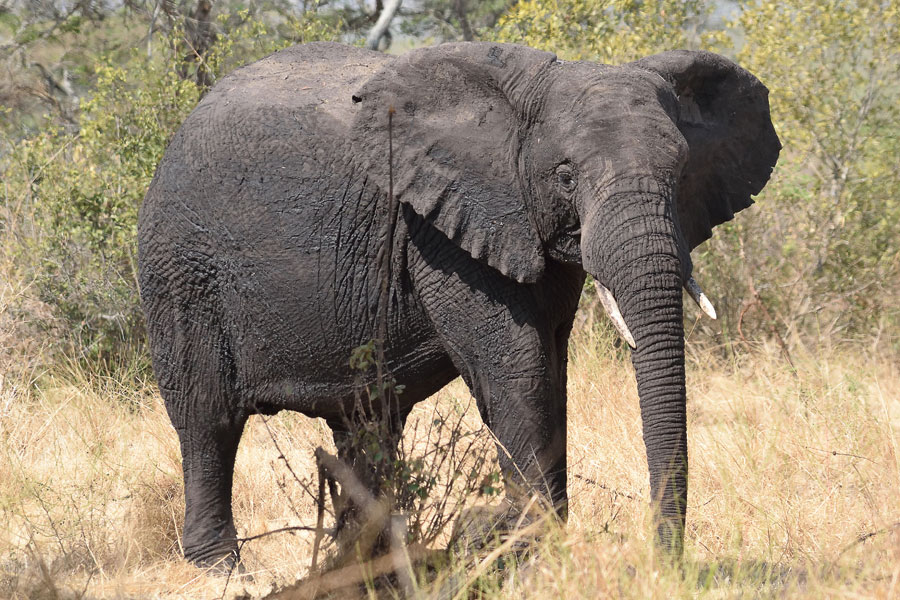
x=515, y=174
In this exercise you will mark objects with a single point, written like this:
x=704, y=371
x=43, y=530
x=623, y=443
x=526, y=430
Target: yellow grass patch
x=794, y=489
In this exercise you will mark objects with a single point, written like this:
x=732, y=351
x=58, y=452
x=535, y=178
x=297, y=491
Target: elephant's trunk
x=641, y=259
x=658, y=360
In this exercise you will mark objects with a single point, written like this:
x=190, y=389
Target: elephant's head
x=522, y=159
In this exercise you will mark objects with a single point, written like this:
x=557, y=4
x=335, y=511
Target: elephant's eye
x=565, y=178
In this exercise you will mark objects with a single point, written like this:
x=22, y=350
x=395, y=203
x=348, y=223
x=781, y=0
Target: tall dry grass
x=794, y=490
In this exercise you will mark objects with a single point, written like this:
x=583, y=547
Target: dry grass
x=795, y=483
x=795, y=486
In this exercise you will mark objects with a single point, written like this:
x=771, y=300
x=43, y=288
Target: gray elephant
x=514, y=173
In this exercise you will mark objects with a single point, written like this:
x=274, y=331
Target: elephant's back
x=267, y=132
x=320, y=76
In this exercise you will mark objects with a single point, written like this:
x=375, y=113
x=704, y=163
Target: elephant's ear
x=723, y=113
x=456, y=138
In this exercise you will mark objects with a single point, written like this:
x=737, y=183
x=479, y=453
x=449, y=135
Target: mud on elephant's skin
x=515, y=173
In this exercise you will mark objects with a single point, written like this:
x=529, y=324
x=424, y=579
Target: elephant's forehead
x=588, y=96
x=588, y=86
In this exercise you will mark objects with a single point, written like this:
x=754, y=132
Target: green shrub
x=822, y=248
x=81, y=192
x=610, y=31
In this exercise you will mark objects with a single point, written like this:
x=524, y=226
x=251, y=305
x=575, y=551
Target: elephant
x=498, y=177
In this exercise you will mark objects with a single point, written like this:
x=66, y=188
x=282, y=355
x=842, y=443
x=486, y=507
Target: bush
x=610, y=31
x=822, y=249
x=82, y=191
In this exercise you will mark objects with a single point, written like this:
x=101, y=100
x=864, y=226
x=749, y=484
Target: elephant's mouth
x=615, y=314
x=566, y=245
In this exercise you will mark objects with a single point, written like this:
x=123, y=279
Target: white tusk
x=615, y=315
x=693, y=288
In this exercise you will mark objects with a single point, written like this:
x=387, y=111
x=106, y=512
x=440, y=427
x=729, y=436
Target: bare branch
x=380, y=28
x=459, y=6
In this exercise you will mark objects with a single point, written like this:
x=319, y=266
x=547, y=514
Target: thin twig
x=290, y=529
x=836, y=453
x=740, y=322
x=287, y=464
x=866, y=536
x=606, y=487
x=320, y=518
x=386, y=257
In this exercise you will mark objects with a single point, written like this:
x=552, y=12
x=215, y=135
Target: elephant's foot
x=484, y=527
x=479, y=530
x=216, y=561
x=670, y=538
x=363, y=535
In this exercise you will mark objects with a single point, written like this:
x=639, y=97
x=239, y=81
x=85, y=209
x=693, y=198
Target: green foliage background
x=609, y=31
x=823, y=246
x=816, y=261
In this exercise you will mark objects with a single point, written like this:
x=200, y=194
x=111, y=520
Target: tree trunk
x=459, y=6
x=380, y=29
x=199, y=36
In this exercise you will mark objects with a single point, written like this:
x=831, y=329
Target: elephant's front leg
x=526, y=411
x=508, y=341
x=518, y=379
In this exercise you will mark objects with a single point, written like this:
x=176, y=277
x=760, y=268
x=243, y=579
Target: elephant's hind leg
x=192, y=360
x=208, y=450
